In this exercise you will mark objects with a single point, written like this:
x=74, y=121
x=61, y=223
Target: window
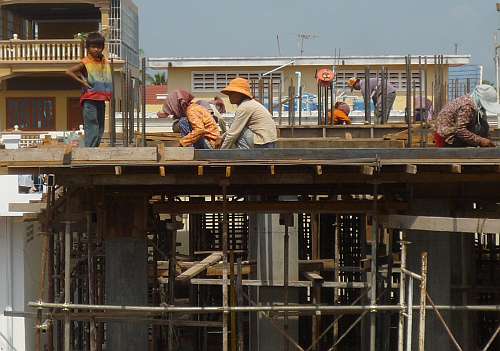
x=31, y=113
x=396, y=78
x=216, y=81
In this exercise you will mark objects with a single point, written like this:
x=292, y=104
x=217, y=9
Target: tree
x=158, y=79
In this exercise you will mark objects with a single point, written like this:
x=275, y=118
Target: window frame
x=10, y=122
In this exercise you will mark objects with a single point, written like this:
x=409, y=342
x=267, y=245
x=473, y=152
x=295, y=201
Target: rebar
x=367, y=98
x=112, y=107
x=374, y=245
x=408, y=101
x=225, y=297
x=144, y=66
x=493, y=337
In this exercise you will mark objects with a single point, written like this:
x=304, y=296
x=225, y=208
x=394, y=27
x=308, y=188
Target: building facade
x=205, y=77
x=40, y=40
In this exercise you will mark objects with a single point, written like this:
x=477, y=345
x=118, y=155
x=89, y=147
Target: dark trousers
x=93, y=122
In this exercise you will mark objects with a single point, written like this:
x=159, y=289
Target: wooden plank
x=179, y=153
x=456, y=168
x=27, y=207
x=115, y=154
x=441, y=224
x=359, y=143
x=411, y=169
x=367, y=170
x=313, y=276
x=317, y=265
x=162, y=171
x=216, y=270
x=32, y=155
x=200, y=267
x=344, y=206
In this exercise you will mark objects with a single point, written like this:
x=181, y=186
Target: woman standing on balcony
x=94, y=75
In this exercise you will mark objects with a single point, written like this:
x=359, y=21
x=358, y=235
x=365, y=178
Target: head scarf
x=342, y=106
x=481, y=112
x=177, y=103
x=219, y=103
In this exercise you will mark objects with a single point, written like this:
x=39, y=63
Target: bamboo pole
x=423, y=295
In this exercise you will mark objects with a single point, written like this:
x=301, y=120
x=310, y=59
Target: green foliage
x=158, y=79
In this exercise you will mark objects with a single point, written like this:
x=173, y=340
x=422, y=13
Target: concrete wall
x=20, y=254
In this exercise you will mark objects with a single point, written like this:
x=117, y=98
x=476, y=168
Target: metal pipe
x=493, y=337
x=278, y=68
x=91, y=278
x=286, y=242
x=268, y=308
x=411, y=274
x=441, y=319
x=373, y=293
x=367, y=99
x=409, y=313
x=423, y=300
x=225, y=299
x=402, y=282
x=241, y=336
x=144, y=65
x=131, y=104
x=67, y=285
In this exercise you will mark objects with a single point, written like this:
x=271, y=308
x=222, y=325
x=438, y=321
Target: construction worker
x=463, y=121
x=196, y=125
x=253, y=126
x=340, y=114
x=375, y=93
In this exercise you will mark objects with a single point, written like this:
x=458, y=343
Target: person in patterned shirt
x=463, y=121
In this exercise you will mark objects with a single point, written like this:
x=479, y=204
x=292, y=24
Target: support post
x=423, y=300
x=373, y=292
x=225, y=295
x=67, y=285
x=402, y=282
x=409, y=312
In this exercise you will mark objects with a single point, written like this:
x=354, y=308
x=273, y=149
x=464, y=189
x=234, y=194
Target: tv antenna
x=305, y=36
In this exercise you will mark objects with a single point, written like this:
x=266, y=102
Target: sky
x=200, y=28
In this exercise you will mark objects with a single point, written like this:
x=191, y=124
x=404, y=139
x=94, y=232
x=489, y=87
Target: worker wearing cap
x=375, y=93
x=463, y=121
x=253, y=125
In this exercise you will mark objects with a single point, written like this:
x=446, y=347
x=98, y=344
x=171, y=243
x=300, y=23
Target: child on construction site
x=340, y=114
x=94, y=75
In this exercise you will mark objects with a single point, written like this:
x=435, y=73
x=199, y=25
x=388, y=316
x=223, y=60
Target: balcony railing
x=41, y=50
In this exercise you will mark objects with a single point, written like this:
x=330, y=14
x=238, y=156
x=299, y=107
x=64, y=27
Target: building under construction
x=356, y=237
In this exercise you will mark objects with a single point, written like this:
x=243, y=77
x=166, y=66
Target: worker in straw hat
x=463, y=121
x=253, y=125
x=375, y=93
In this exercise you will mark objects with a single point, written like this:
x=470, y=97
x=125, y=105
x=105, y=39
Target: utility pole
x=305, y=36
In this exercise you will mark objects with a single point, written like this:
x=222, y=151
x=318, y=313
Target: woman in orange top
x=340, y=115
x=197, y=126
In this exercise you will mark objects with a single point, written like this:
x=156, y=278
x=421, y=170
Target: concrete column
x=266, y=246
x=441, y=262
x=126, y=269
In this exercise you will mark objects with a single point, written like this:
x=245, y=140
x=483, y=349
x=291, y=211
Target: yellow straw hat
x=351, y=82
x=238, y=85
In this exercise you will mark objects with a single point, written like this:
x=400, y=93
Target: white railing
x=54, y=50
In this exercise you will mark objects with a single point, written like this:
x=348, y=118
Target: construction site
x=350, y=237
